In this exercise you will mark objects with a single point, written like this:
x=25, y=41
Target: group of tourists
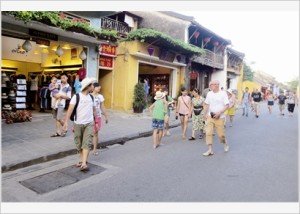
x=254, y=100
x=85, y=110
x=207, y=113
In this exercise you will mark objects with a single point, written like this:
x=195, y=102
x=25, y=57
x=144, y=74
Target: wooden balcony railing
x=73, y=17
x=211, y=59
x=111, y=24
x=234, y=67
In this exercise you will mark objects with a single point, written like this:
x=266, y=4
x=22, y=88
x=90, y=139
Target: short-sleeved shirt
x=84, y=114
x=291, y=99
x=185, y=103
x=98, y=99
x=246, y=97
x=256, y=96
x=281, y=99
x=159, y=110
x=65, y=89
x=217, y=102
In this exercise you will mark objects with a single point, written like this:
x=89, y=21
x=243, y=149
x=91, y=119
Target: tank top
x=159, y=110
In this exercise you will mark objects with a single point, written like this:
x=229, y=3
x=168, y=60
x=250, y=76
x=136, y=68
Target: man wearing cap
x=159, y=110
x=83, y=121
x=215, y=104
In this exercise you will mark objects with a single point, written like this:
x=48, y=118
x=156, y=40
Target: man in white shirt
x=58, y=114
x=83, y=121
x=216, y=103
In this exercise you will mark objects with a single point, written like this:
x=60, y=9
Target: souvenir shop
x=27, y=66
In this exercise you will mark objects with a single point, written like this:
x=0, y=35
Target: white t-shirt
x=98, y=100
x=216, y=101
x=65, y=90
x=84, y=114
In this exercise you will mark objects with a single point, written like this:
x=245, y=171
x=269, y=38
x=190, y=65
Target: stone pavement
x=28, y=143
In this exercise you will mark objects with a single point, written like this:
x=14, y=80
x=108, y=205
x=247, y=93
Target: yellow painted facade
x=118, y=85
x=251, y=85
x=23, y=67
x=240, y=87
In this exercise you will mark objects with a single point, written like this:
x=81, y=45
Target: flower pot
x=138, y=109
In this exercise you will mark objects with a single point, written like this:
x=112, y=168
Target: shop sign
x=106, y=62
x=194, y=75
x=42, y=42
x=107, y=50
x=44, y=35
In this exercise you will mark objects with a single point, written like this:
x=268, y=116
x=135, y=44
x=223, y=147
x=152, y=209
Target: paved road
x=261, y=166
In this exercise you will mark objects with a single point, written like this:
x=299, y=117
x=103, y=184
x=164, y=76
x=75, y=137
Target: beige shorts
x=281, y=107
x=83, y=136
x=58, y=114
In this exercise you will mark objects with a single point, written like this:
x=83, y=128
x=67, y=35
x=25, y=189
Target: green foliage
x=144, y=35
x=248, y=73
x=294, y=84
x=139, y=96
x=53, y=18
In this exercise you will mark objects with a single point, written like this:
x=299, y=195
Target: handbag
x=198, y=109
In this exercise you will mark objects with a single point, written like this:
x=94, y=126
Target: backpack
x=74, y=112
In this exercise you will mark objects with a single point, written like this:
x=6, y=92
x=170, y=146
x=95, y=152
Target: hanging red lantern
x=206, y=39
x=216, y=43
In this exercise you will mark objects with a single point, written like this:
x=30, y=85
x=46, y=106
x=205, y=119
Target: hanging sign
x=106, y=62
x=108, y=50
x=44, y=35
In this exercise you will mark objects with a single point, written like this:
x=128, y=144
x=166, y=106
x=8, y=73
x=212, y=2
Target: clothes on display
x=45, y=98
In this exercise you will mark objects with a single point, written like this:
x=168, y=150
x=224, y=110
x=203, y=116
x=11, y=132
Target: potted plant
x=139, y=99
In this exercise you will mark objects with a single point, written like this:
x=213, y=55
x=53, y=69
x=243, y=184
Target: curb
x=122, y=141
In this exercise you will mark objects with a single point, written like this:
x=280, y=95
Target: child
x=54, y=88
x=77, y=84
x=98, y=100
x=159, y=109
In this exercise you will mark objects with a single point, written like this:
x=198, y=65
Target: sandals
x=78, y=164
x=63, y=134
x=55, y=135
x=201, y=136
x=208, y=153
x=96, y=153
x=84, y=168
x=192, y=138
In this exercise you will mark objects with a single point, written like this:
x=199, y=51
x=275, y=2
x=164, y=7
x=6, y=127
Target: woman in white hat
x=159, y=110
x=232, y=102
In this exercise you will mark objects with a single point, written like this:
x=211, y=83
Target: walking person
x=197, y=114
x=183, y=111
x=100, y=109
x=246, y=102
x=270, y=99
x=77, y=85
x=146, y=89
x=58, y=113
x=171, y=103
x=281, y=102
x=256, y=98
x=231, y=110
x=216, y=103
x=159, y=110
x=291, y=101
x=83, y=106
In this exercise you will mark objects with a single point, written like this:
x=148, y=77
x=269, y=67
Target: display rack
x=21, y=94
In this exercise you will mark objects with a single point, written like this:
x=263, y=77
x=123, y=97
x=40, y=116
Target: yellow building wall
x=23, y=67
x=105, y=81
x=65, y=58
x=240, y=87
x=126, y=72
x=251, y=85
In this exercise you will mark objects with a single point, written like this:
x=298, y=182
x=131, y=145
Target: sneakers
x=226, y=147
x=208, y=153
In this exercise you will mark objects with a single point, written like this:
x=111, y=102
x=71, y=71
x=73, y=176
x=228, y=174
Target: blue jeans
x=246, y=106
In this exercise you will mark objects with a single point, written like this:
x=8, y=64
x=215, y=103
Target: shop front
x=138, y=61
x=200, y=75
x=33, y=57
